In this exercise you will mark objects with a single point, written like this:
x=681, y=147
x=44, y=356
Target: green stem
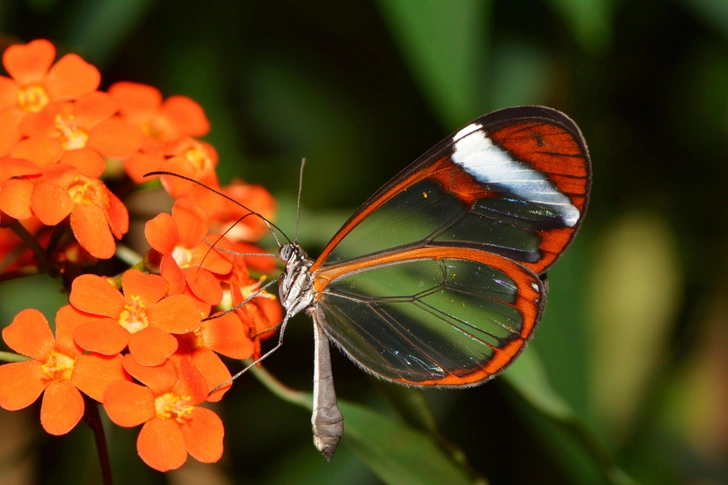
x=279, y=389
x=93, y=421
x=129, y=256
x=32, y=243
x=11, y=357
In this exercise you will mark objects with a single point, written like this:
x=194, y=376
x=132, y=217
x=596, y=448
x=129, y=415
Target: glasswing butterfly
x=438, y=280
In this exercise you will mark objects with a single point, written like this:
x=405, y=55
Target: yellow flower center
x=192, y=340
x=182, y=256
x=134, y=316
x=32, y=98
x=197, y=156
x=85, y=190
x=59, y=366
x=172, y=406
x=72, y=136
x=159, y=128
x=81, y=191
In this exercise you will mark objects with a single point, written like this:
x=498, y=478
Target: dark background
x=634, y=339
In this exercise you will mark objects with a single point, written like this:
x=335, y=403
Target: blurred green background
x=627, y=377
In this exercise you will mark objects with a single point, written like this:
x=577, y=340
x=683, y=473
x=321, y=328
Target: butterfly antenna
x=298, y=203
x=268, y=223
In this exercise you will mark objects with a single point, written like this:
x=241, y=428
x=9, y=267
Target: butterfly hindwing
x=431, y=316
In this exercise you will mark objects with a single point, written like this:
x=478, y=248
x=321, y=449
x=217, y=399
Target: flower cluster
x=140, y=342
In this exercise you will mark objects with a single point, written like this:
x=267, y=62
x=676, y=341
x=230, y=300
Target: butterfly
x=438, y=279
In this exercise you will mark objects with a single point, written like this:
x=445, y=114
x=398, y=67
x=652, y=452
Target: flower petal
x=128, y=404
x=93, y=108
x=62, y=408
x=92, y=231
x=104, y=336
x=117, y=216
x=94, y=294
x=30, y=335
x=161, y=233
x=159, y=379
x=203, y=433
x=215, y=259
x=15, y=198
x=203, y=284
x=93, y=373
x=85, y=160
x=68, y=319
x=10, y=133
x=172, y=273
x=50, y=203
x=135, y=98
x=227, y=336
x=72, y=77
x=150, y=288
x=161, y=445
x=29, y=63
x=42, y=150
x=140, y=164
x=21, y=383
x=187, y=116
x=213, y=370
x=116, y=138
x=191, y=222
x=151, y=346
x=191, y=383
x=8, y=93
x=175, y=314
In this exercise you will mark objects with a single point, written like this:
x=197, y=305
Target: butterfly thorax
x=296, y=289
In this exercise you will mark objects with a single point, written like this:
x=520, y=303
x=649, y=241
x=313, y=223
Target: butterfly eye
x=286, y=252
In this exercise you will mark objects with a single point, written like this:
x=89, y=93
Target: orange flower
x=225, y=335
x=173, y=423
x=97, y=215
x=34, y=84
x=252, y=228
x=58, y=367
x=80, y=134
x=262, y=314
x=191, y=158
x=162, y=122
x=186, y=258
x=142, y=318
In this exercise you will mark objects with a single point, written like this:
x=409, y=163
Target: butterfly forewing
x=514, y=183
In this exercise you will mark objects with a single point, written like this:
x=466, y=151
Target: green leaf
x=98, y=29
x=589, y=21
x=395, y=452
x=444, y=45
x=40, y=292
x=711, y=11
x=409, y=404
x=528, y=379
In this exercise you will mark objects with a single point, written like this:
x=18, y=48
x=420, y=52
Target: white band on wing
x=477, y=154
